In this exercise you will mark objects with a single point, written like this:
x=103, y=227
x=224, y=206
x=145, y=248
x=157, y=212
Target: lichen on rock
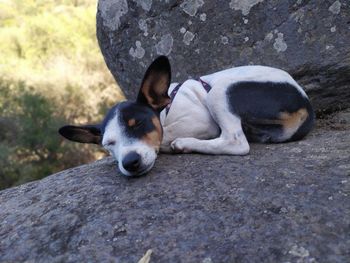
x=335, y=7
x=165, y=45
x=280, y=45
x=191, y=7
x=244, y=5
x=112, y=11
x=137, y=52
x=188, y=37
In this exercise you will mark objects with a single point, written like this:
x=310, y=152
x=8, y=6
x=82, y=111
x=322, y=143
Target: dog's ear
x=155, y=84
x=83, y=134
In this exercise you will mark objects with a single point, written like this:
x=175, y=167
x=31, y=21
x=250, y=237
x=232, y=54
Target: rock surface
x=282, y=203
x=309, y=39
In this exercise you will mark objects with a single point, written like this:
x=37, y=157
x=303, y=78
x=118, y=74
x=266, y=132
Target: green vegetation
x=51, y=73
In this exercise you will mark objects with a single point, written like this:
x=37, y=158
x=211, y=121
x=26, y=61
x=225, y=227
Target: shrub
x=51, y=74
x=30, y=147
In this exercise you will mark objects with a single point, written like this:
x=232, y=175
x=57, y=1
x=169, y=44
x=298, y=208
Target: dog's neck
x=164, y=112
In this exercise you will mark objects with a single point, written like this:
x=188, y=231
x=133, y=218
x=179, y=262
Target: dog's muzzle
x=132, y=162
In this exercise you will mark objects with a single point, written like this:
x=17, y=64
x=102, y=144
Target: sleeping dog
x=214, y=114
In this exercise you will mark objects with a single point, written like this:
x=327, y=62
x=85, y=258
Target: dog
x=214, y=114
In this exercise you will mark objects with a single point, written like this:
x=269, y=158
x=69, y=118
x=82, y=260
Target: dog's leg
x=231, y=141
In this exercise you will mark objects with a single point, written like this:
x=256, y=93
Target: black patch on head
x=141, y=114
x=259, y=103
x=110, y=115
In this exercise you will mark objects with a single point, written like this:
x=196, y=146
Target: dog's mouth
x=143, y=170
x=136, y=160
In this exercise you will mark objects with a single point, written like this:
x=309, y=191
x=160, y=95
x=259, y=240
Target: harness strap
x=205, y=85
x=172, y=96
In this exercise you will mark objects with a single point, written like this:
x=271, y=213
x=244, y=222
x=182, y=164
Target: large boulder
x=282, y=203
x=310, y=39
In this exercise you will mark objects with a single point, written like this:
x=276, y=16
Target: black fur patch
x=110, y=115
x=133, y=111
x=82, y=134
x=259, y=105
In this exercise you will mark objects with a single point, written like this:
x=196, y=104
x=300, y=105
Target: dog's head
x=131, y=131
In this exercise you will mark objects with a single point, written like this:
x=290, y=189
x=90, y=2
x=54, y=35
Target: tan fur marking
x=292, y=121
x=159, y=84
x=154, y=137
x=131, y=122
x=146, y=90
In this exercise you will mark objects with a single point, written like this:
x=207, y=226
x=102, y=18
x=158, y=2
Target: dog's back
x=270, y=104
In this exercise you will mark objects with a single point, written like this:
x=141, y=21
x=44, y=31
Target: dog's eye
x=138, y=124
x=109, y=143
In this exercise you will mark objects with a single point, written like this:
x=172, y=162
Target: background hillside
x=51, y=73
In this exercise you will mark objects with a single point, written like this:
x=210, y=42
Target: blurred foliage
x=51, y=74
x=30, y=147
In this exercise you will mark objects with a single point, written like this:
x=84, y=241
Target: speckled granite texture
x=309, y=38
x=282, y=203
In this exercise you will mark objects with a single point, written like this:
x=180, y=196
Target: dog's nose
x=132, y=161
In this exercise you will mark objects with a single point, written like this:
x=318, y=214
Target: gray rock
x=309, y=39
x=282, y=203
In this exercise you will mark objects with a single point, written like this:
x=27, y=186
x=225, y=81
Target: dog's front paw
x=180, y=145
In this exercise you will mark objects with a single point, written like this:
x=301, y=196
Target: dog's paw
x=180, y=145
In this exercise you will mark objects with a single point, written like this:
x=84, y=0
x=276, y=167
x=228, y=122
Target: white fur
x=196, y=117
x=251, y=73
x=188, y=116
